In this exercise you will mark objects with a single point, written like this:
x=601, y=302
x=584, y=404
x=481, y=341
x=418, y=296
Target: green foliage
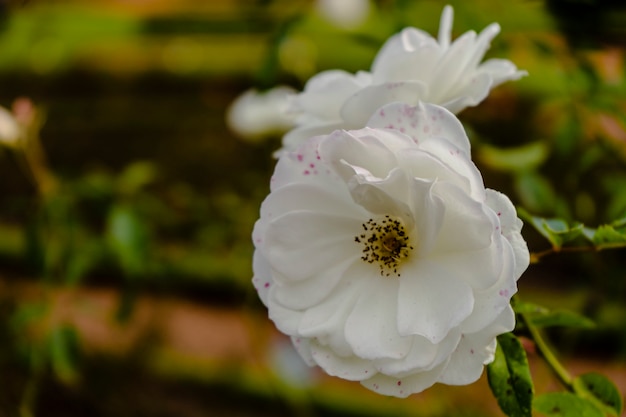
x=543, y=317
x=64, y=348
x=522, y=158
x=535, y=191
x=135, y=177
x=56, y=35
x=601, y=391
x=129, y=239
x=565, y=404
x=509, y=377
x=607, y=236
x=557, y=231
x=590, y=394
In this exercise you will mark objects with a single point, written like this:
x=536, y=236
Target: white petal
x=403, y=387
x=301, y=244
x=9, y=128
x=471, y=91
x=422, y=123
x=445, y=26
x=410, y=55
x=461, y=170
x=491, y=301
x=313, y=197
x=295, y=167
x=475, y=350
x=324, y=94
x=303, y=347
x=311, y=292
x=285, y=319
x=511, y=227
x=262, y=279
x=362, y=105
x=397, y=48
x=428, y=167
x=468, y=224
x=298, y=135
x=350, y=367
x=361, y=148
x=346, y=14
x=428, y=213
x=326, y=320
x=423, y=356
x=430, y=302
x=256, y=114
x=480, y=268
x=383, y=197
x=450, y=67
x=501, y=70
x=371, y=326
x=482, y=45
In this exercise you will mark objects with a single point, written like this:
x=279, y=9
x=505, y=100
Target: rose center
x=385, y=243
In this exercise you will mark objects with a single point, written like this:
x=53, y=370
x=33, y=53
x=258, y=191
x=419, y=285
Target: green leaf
x=600, y=390
x=619, y=223
x=83, y=257
x=521, y=158
x=128, y=238
x=536, y=192
x=565, y=404
x=509, y=377
x=64, y=348
x=136, y=176
x=543, y=317
x=588, y=233
x=563, y=318
x=557, y=231
x=606, y=236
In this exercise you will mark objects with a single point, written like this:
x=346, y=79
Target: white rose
x=411, y=66
x=383, y=256
x=10, y=130
x=256, y=115
x=346, y=14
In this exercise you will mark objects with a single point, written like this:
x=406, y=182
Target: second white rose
x=412, y=66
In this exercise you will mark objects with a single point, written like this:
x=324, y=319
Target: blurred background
x=127, y=203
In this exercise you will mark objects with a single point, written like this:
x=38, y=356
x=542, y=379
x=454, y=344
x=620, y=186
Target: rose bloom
x=256, y=115
x=9, y=128
x=346, y=14
x=410, y=67
x=383, y=256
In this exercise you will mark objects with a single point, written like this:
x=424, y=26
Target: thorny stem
x=544, y=350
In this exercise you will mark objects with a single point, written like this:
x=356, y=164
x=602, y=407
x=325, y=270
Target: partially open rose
x=411, y=66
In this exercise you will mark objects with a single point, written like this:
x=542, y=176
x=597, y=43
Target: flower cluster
x=379, y=250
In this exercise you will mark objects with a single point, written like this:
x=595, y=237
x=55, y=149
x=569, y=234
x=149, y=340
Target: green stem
x=536, y=256
x=545, y=351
